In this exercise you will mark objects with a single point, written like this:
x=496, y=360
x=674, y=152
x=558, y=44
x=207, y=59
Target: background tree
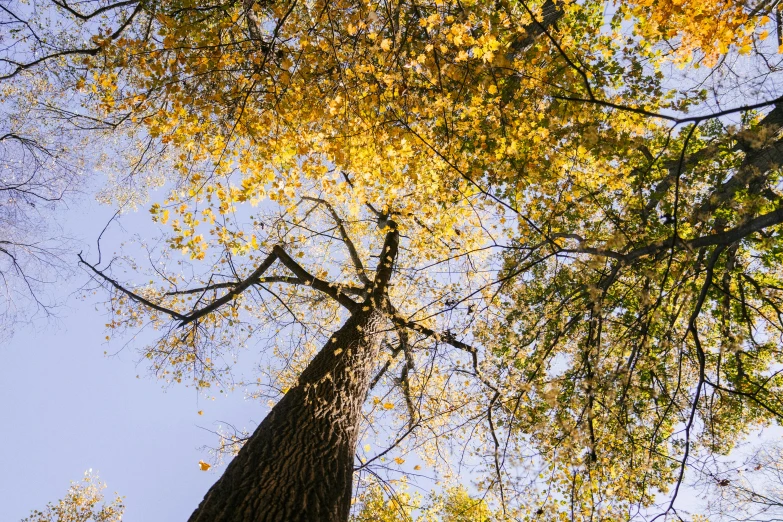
x=38, y=172
x=46, y=161
x=83, y=503
x=746, y=490
x=657, y=338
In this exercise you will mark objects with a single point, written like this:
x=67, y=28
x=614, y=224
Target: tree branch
x=357, y=261
x=134, y=296
x=724, y=238
x=354, y=290
x=231, y=294
x=98, y=11
x=332, y=290
x=305, y=278
x=386, y=265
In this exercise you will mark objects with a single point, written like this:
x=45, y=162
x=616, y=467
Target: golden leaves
x=710, y=28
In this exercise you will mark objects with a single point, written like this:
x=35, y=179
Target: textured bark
x=298, y=465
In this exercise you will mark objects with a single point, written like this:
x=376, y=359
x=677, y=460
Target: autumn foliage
x=587, y=296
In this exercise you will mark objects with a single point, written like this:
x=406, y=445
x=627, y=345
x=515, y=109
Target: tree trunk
x=298, y=465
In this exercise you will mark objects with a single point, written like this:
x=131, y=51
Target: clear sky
x=66, y=407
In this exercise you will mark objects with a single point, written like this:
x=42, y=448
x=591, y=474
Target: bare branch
x=357, y=262
x=134, y=296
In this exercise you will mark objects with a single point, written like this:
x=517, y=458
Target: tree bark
x=298, y=464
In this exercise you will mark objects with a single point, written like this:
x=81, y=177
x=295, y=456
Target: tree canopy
x=587, y=294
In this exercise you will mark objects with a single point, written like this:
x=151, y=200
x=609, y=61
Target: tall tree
x=298, y=465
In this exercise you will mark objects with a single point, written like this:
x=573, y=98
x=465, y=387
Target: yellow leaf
x=203, y=465
x=399, y=460
x=388, y=406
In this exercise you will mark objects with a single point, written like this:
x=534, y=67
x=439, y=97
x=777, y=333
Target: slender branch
x=751, y=396
x=673, y=119
x=405, y=377
x=354, y=290
x=89, y=51
x=580, y=70
x=446, y=337
x=693, y=329
x=357, y=261
x=334, y=291
x=134, y=296
x=385, y=366
x=387, y=450
x=98, y=11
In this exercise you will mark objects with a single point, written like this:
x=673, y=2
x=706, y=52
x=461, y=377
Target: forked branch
x=303, y=277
